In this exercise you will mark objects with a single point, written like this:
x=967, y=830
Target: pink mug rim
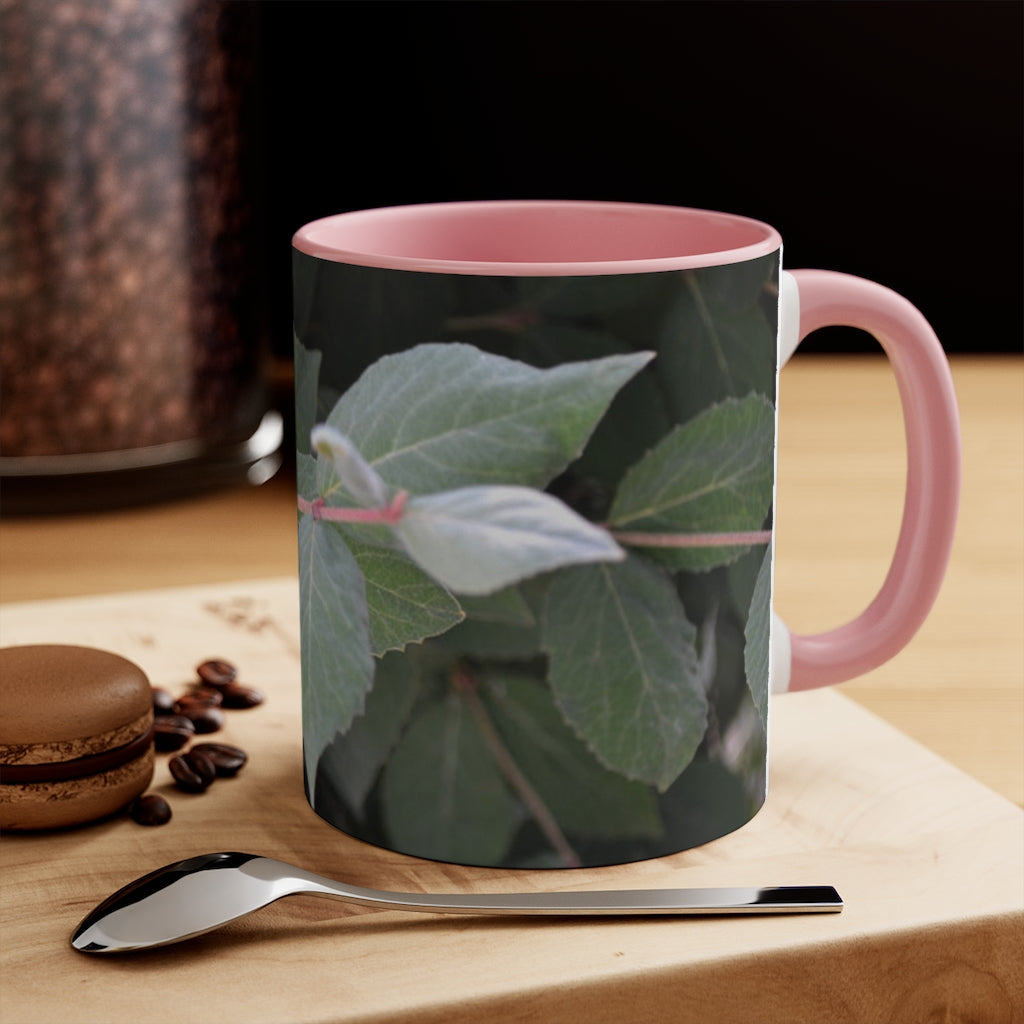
x=537, y=238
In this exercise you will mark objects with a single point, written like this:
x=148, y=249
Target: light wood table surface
x=924, y=839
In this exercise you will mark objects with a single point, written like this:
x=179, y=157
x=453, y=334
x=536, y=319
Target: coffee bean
x=184, y=775
x=227, y=760
x=238, y=696
x=151, y=809
x=200, y=697
x=204, y=719
x=202, y=765
x=217, y=672
x=172, y=732
x=192, y=772
x=163, y=702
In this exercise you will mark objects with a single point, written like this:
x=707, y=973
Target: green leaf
x=624, y=669
x=757, y=635
x=585, y=798
x=443, y=794
x=476, y=540
x=337, y=667
x=354, y=760
x=444, y=416
x=711, y=475
x=405, y=605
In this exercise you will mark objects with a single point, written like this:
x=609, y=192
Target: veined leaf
x=443, y=793
x=711, y=475
x=337, y=667
x=758, y=642
x=443, y=416
x=624, y=668
x=476, y=540
x=405, y=605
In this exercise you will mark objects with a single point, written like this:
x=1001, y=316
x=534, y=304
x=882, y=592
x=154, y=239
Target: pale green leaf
x=713, y=474
x=444, y=796
x=441, y=416
x=337, y=667
x=476, y=540
x=758, y=642
x=624, y=668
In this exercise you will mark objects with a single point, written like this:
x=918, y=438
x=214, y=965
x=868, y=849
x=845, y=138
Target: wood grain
x=928, y=860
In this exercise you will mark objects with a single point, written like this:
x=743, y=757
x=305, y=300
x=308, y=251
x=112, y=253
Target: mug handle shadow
x=820, y=298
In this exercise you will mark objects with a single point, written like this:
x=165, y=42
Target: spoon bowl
x=194, y=896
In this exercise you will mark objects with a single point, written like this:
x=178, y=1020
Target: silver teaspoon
x=193, y=896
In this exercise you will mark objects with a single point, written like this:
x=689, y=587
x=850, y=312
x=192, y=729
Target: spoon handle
x=801, y=899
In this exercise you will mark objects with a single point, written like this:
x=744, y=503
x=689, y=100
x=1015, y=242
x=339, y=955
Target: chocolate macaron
x=76, y=735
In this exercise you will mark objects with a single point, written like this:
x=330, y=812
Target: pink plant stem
x=389, y=514
x=692, y=540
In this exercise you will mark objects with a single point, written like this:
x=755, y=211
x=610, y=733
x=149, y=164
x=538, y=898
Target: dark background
x=881, y=138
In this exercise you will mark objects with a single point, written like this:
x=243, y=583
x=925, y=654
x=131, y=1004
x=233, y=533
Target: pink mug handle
x=932, y=427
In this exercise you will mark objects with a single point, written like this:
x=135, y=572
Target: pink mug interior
x=537, y=238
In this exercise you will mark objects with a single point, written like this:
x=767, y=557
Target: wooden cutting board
x=929, y=862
